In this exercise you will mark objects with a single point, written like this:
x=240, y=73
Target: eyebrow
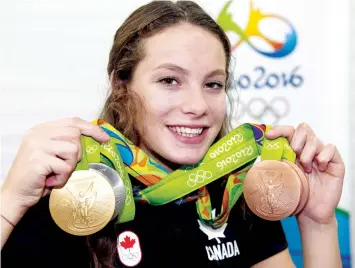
x=172, y=67
x=177, y=68
x=217, y=72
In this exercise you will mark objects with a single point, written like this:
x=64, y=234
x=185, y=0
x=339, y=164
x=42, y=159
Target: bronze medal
x=84, y=205
x=116, y=182
x=273, y=189
x=304, y=184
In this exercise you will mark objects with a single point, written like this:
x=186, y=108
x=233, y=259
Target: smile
x=187, y=131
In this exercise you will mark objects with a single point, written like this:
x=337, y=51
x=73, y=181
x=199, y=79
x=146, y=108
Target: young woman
x=169, y=73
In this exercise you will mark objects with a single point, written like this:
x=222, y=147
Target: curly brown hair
x=122, y=108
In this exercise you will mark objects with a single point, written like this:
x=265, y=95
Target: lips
x=189, y=134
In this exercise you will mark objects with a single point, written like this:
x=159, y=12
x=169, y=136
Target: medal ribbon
x=234, y=154
x=94, y=152
x=276, y=149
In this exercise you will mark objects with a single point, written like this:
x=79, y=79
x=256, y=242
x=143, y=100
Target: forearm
x=11, y=214
x=6, y=230
x=320, y=244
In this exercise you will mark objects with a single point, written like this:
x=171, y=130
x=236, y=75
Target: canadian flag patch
x=129, y=249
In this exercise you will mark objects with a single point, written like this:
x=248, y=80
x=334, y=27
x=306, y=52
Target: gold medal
x=84, y=205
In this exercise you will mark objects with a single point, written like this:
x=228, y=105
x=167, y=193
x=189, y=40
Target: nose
x=194, y=103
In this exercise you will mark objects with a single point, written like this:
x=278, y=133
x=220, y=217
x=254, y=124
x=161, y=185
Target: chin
x=186, y=159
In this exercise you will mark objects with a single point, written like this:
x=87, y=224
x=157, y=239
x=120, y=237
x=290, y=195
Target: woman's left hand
x=323, y=166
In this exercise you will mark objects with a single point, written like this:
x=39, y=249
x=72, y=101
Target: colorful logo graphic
x=280, y=49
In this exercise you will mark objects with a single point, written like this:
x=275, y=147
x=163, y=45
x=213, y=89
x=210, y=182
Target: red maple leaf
x=127, y=242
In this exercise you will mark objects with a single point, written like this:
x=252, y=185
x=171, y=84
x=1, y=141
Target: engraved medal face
x=84, y=205
x=304, y=186
x=272, y=189
x=116, y=183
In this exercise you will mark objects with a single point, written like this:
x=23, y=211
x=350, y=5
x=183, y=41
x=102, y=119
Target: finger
x=60, y=172
x=302, y=133
x=281, y=131
x=86, y=128
x=311, y=149
x=329, y=154
x=46, y=191
x=70, y=152
x=71, y=134
x=62, y=133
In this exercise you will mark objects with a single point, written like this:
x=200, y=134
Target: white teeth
x=186, y=131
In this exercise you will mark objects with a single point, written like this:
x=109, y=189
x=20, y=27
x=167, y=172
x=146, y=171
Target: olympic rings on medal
x=199, y=178
x=257, y=108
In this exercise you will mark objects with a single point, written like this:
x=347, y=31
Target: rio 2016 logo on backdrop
x=255, y=37
x=280, y=49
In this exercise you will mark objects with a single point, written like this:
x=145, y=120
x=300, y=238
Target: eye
x=168, y=81
x=215, y=85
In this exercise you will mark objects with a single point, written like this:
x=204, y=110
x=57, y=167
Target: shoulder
x=37, y=241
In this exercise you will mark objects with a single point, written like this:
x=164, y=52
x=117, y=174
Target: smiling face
x=181, y=82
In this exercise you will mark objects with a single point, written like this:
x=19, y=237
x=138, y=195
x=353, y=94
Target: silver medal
x=116, y=182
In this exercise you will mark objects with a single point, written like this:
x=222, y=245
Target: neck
x=168, y=165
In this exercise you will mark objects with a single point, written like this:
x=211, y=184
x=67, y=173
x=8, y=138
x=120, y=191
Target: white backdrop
x=53, y=57
x=352, y=125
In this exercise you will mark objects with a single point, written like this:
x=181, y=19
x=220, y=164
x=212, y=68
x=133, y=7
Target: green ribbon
x=277, y=149
x=233, y=155
x=94, y=152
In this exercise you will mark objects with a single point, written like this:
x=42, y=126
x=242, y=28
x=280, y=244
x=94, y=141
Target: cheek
x=218, y=109
x=156, y=110
x=157, y=106
x=220, y=115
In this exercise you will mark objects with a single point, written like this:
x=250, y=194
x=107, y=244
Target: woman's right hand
x=46, y=158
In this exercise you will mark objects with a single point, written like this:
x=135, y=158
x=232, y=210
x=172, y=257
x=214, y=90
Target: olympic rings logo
x=130, y=256
x=273, y=145
x=259, y=108
x=109, y=149
x=199, y=178
x=91, y=149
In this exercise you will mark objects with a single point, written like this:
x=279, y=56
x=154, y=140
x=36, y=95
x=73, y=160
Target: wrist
x=11, y=209
x=320, y=242
x=305, y=223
